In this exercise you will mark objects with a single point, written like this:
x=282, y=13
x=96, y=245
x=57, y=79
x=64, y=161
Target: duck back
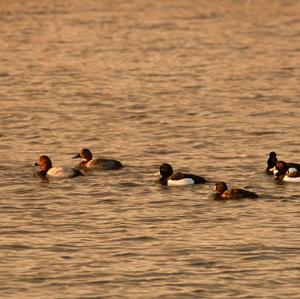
x=238, y=194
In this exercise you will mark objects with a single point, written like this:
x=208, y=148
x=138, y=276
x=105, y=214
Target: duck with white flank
x=272, y=162
x=87, y=161
x=287, y=172
x=223, y=193
x=177, y=179
x=48, y=171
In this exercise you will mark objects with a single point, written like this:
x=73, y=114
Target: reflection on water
x=210, y=88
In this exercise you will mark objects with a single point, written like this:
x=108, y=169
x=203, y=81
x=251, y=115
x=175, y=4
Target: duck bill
x=36, y=163
x=274, y=170
x=76, y=156
x=157, y=173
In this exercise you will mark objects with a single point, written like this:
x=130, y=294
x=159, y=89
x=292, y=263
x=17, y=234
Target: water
x=209, y=87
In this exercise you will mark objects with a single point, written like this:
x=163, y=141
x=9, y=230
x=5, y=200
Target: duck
x=168, y=177
x=287, y=172
x=87, y=161
x=223, y=193
x=47, y=170
x=271, y=162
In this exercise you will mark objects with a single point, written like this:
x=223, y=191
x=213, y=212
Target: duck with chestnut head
x=286, y=172
x=48, y=171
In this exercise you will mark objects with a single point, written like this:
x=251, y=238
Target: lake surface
x=210, y=87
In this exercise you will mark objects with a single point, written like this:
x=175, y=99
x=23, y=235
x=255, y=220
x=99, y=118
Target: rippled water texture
x=210, y=87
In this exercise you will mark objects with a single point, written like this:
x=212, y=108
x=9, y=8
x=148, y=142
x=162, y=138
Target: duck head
x=85, y=155
x=272, y=160
x=165, y=170
x=44, y=162
x=220, y=187
x=281, y=169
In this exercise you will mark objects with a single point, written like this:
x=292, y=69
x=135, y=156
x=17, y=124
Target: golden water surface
x=210, y=87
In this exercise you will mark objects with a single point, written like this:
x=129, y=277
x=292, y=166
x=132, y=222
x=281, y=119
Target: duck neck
x=83, y=163
x=218, y=196
x=163, y=180
x=42, y=173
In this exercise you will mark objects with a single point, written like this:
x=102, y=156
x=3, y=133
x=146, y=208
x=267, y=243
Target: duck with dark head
x=168, y=177
x=271, y=162
x=223, y=193
x=87, y=161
